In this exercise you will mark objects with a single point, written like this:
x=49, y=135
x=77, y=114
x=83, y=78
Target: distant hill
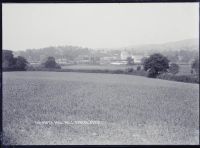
x=178, y=51
x=67, y=52
x=183, y=51
x=188, y=44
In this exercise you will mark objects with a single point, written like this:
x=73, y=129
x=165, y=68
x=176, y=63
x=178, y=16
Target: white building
x=61, y=61
x=124, y=55
x=107, y=60
x=137, y=58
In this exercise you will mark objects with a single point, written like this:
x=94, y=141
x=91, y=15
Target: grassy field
x=131, y=109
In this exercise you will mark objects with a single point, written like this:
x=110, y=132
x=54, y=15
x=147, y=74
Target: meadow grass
x=133, y=109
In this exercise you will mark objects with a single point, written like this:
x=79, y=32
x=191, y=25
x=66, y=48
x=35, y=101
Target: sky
x=111, y=25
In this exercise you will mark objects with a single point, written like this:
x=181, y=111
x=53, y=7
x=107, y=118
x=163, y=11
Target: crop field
x=129, y=109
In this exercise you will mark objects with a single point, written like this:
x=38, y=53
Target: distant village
x=176, y=52
x=102, y=57
x=120, y=58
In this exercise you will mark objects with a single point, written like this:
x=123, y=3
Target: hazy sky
x=97, y=25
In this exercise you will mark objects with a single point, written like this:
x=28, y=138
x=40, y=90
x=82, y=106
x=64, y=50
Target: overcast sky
x=97, y=25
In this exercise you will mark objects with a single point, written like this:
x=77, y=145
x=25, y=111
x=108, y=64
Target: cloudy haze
x=97, y=25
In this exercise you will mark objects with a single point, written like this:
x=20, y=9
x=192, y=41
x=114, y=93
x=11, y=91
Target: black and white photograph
x=100, y=73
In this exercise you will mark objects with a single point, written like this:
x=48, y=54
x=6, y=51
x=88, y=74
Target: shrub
x=118, y=71
x=129, y=70
x=51, y=63
x=138, y=68
x=30, y=68
x=173, y=68
x=195, y=66
x=130, y=61
x=37, y=68
x=136, y=72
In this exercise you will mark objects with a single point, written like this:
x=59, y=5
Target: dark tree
x=21, y=63
x=51, y=63
x=156, y=64
x=8, y=60
x=130, y=61
x=174, y=68
x=195, y=65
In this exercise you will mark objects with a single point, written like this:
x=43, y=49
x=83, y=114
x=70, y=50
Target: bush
x=180, y=78
x=173, y=68
x=138, y=68
x=129, y=70
x=136, y=72
x=195, y=66
x=118, y=71
x=130, y=61
x=51, y=63
x=35, y=68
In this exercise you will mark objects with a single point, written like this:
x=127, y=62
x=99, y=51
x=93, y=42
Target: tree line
x=158, y=64
x=11, y=63
x=19, y=63
x=155, y=65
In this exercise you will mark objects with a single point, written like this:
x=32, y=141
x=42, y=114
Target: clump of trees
x=67, y=52
x=156, y=64
x=51, y=63
x=173, y=68
x=11, y=63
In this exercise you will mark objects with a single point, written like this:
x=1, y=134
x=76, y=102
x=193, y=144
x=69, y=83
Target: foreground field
x=130, y=109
